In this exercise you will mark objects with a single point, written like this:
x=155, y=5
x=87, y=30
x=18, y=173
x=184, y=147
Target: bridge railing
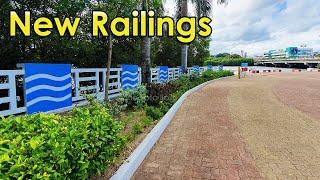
x=85, y=81
x=11, y=84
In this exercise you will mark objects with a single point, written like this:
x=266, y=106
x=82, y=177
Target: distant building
x=290, y=53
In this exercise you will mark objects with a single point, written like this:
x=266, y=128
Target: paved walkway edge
x=129, y=167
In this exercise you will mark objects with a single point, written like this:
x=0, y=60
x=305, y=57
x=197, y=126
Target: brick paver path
x=242, y=129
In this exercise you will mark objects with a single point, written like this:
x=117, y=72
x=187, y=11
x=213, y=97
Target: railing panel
x=84, y=81
x=9, y=102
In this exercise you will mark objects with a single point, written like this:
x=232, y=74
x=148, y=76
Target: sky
x=256, y=26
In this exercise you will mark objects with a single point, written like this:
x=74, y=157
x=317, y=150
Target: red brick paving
x=201, y=142
x=301, y=93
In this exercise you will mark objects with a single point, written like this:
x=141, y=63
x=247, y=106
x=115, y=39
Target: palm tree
x=203, y=8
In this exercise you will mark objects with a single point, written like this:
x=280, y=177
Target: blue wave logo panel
x=180, y=69
x=47, y=87
x=129, y=76
x=210, y=67
x=164, y=74
x=220, y=67
x=196, y=69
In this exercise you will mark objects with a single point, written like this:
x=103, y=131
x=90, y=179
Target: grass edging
x=129, y=167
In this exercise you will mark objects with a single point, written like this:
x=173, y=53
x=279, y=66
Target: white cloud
x=256, y=26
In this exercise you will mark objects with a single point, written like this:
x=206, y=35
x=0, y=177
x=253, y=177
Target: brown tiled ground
x=249, y=129
x=201, y=142
x=302, y=93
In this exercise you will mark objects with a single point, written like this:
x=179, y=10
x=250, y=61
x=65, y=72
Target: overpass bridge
x=306, y=62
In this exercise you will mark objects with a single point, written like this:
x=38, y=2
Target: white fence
x=84, y=81
x=174, y=73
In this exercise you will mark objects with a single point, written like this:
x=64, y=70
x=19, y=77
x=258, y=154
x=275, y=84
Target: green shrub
x=135, y=98
x=50, y=146
x=210, y=75
x=228, y=61
x=137, y=129
x=160, y=92
x=154, y=113
x=116, y=106
x=146, y=122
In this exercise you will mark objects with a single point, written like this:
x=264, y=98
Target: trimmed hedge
x=50, y=146
x=228, y=61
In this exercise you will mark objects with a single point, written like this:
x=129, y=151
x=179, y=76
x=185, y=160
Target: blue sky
x=256, y=26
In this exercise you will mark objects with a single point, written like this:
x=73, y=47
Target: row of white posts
x=85, y=81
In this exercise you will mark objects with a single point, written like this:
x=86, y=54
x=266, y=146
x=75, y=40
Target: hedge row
x=59, y=147
x=227, y=61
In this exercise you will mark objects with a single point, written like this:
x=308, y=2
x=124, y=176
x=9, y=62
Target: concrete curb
x=129, y=167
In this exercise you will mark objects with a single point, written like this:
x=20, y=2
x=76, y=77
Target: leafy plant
x=135, y=98
x=48, y=146
x=116, y=106
x=228, y=61
x=160, y=92
x=154, y=113
x=137, y=128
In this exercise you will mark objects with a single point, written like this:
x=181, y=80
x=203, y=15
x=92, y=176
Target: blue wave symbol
x=196, y=69
x=163, y=73
x=47, y=87
x=129, y=76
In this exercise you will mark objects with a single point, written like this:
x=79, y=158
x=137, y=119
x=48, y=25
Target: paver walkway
x=243, y=129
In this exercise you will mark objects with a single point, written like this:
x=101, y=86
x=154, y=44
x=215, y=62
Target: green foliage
x=216, y=74
x=154, y=113
x=116, y=106
x=228, y=61
x=84, y=50
x=134, y=98
x=50, y=146
x=160, y=92
x=146, y=122
x=137, y=128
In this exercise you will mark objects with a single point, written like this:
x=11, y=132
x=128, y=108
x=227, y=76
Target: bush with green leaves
x=135, y=98
x=210, y=75
x=160, y=92
x=154, y=113
x=48, y=146
x=228, y=61
x=116, y=106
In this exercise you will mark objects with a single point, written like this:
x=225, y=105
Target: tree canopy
x=83, y=50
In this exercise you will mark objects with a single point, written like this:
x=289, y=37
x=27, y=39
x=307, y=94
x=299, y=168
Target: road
x=260, y=127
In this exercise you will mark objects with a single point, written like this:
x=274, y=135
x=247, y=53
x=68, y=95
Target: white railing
x=85, y=82
x=174, y=73
x=10, y=102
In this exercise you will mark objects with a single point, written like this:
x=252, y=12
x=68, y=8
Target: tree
x=203, y=8
x=114, y=8
x=146, y=41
